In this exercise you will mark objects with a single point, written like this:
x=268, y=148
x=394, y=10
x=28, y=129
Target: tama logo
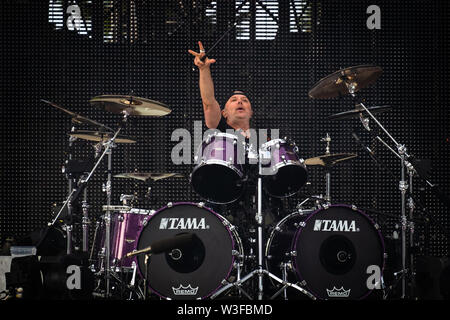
x=185, y=291
x=338, y=293
x=183, y=223
x=335, y=225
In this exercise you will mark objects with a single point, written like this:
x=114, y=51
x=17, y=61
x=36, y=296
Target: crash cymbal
x=76, y=118
x=328, y=160
x=98, y=136
x=134, y=105
x=334, y=85
x=144, y=176
x=357, y=111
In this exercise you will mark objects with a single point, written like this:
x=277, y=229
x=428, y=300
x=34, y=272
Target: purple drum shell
x=124, y=230
x=218, y=175
x=286, y=173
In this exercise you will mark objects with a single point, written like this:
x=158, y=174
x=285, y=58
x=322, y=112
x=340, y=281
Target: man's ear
x=224, y=113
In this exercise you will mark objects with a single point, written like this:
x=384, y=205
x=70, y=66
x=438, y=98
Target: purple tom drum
x=286, y=173
x=218, y=175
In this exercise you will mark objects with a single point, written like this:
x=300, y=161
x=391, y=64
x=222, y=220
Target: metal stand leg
x=260, y=272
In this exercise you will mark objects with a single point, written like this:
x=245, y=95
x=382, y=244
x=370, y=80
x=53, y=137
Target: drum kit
x=187, y=250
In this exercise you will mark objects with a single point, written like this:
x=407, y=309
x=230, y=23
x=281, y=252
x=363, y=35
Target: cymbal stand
x=260, y=271
x=68, y=227
x=403, y=186
x=82, y=185
x=85, y=221
x=327, y=139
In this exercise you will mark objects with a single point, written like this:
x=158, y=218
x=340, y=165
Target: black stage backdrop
x=140, y=48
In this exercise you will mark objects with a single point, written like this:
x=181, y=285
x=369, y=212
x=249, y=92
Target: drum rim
x=272, y=142
x=202, y=206
x=301, y=227
x=220, y=134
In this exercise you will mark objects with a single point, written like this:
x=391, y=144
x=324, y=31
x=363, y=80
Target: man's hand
x=198, y=57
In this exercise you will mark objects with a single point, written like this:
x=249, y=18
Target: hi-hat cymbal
x=144, y=176
x=335, y=84
x=100, y=136
x=328, y=160
x=135, y=106
x=356, y=112
x=76, y=118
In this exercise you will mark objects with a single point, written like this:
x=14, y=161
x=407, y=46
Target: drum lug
x=325, y=206
x=354, y=207
x=120, y=218
x=293, y=253
x=169, y=205
x=200, y=204
x=300, y=224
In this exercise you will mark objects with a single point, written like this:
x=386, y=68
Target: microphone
x=164, y=245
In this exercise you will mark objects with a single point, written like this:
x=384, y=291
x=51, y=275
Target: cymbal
x=98, y=136
x=76, y=118
x=357, y=111
x=134, y=105
x=144, y=176
x=334, y=85
x=328, y=160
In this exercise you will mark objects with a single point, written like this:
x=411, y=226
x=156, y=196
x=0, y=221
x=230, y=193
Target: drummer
x=237, y=112
x=236, y=115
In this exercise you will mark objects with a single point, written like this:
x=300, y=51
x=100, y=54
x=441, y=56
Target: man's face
x=238, y=107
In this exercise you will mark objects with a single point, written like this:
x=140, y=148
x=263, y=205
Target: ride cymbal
x=102, y=136
x=144, y=176
x=76, y=118
x=344, y=81
x=356, y=112
x=328, y=160
x=135, y=106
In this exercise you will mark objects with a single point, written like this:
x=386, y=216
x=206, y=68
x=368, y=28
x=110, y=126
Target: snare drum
x=218, y=175
x=286, y=173
x=195, y=270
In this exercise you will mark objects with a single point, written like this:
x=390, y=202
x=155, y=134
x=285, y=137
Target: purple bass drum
x=218, y=175
x=335, y=252
x=286, y=173
x=195, y=270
